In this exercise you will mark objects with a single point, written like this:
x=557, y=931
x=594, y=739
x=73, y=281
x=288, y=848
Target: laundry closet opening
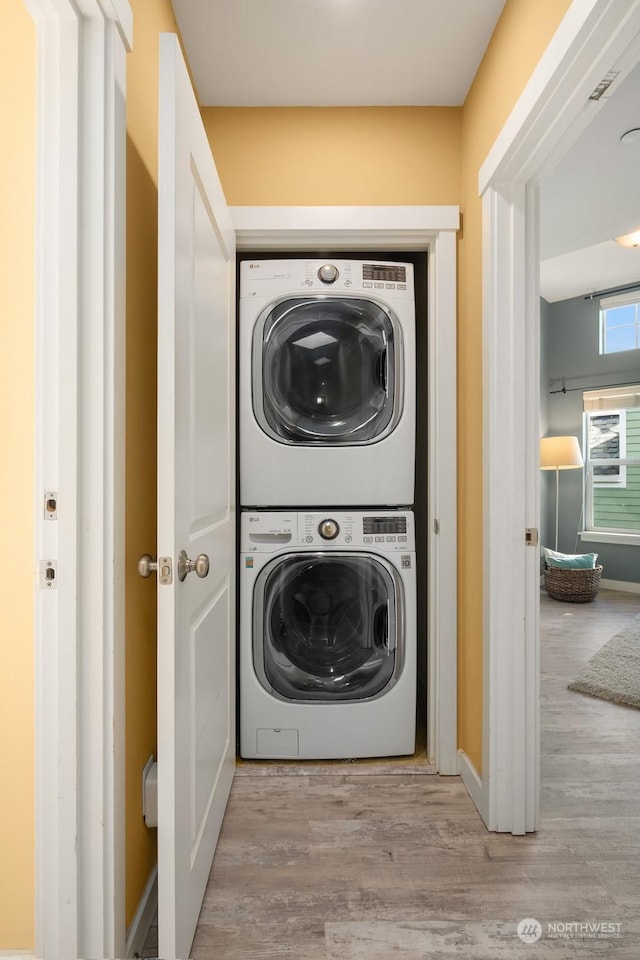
x=278, y=503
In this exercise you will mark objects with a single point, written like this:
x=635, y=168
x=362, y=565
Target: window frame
x=591, y=531
x=607, y=304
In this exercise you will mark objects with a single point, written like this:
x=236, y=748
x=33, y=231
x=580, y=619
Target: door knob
x=200, y=565
x=146, y=565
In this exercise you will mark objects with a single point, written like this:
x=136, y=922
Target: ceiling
x=592, y=196
x=337, y=53
x=415, y=53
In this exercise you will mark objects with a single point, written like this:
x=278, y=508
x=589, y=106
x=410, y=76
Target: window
x=607, y=441
x=612, y=462
x=620, y=323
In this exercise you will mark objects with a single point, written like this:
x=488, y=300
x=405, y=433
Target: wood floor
x=388, y=862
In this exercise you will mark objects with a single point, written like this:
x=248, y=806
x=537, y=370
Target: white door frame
x=594, y=37
x=431, y=229
x=80, y=375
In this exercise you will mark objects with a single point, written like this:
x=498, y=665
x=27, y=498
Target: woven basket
x=574, y=586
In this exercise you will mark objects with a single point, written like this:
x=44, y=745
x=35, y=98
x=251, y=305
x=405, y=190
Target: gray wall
x=569, y=357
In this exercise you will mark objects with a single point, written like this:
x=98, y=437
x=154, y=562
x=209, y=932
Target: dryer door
x=327, y=371
x=327, y=626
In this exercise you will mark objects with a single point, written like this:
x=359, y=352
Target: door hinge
x=531, y=536
x=436, y=527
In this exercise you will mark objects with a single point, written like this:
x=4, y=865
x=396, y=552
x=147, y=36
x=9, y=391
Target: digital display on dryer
x=379, y=525
x=384, y=271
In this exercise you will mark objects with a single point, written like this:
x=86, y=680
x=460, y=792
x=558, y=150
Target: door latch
x=531, y=536
x=48, y=574
x=164, y=567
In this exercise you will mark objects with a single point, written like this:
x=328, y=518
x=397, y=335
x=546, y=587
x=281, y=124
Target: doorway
x=550, y=114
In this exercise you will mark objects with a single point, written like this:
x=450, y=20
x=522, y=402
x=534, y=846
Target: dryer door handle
x=381, y=369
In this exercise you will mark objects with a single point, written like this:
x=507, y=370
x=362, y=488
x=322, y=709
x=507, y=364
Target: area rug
x=613, y=673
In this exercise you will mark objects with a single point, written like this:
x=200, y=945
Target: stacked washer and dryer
x=327, y=553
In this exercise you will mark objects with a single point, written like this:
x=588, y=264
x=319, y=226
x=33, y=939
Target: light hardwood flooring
x=383, y=861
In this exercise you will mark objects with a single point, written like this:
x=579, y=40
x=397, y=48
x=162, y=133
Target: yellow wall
x=369, y=155
x=17, y=253
x=521, y=36
x=150, y=18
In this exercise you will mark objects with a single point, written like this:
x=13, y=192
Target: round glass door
x=326, y=627
x=327, y=369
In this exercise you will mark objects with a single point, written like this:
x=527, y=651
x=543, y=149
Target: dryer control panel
x=373, y=278
x=384, y=531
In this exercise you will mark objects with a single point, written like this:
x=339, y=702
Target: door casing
x=432, y=229
x=80, y=394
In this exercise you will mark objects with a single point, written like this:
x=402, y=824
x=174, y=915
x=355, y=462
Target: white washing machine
x=327, y=634
x=327, y=383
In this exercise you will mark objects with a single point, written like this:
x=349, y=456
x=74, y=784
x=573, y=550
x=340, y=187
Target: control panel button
x=368, y=539
x=367, y=283
x=308, y=539
x=328, y=273
x=391, y=539
x=348, y=538
x=379, y=539
x=402, y=539
x=328, y=529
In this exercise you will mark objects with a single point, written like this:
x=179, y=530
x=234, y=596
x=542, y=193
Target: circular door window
x=327, y=627
x=327, y=372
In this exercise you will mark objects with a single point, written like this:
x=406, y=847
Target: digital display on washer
x=388, y=272
x=373, y=525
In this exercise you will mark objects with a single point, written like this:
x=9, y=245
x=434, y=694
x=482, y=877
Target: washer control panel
x=270, y=531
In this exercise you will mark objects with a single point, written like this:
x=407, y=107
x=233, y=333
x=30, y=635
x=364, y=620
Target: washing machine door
x=327, y=370
x=327, y=626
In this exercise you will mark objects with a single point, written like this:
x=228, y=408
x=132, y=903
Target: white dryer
x=327, y=634
x=327, y=383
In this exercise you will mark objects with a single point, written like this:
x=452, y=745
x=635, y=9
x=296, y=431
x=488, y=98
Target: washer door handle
x=381, y=370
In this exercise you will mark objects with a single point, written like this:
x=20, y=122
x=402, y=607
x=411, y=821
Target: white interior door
x=196, y=509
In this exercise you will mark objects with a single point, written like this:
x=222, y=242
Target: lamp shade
x=560, y=453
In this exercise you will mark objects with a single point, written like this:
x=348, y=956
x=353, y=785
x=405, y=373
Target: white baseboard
x=473, y=783
x=141, y=923
x=624, y=585
x=17, y=955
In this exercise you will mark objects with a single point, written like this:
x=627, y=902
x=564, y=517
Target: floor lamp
x=559, y=453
